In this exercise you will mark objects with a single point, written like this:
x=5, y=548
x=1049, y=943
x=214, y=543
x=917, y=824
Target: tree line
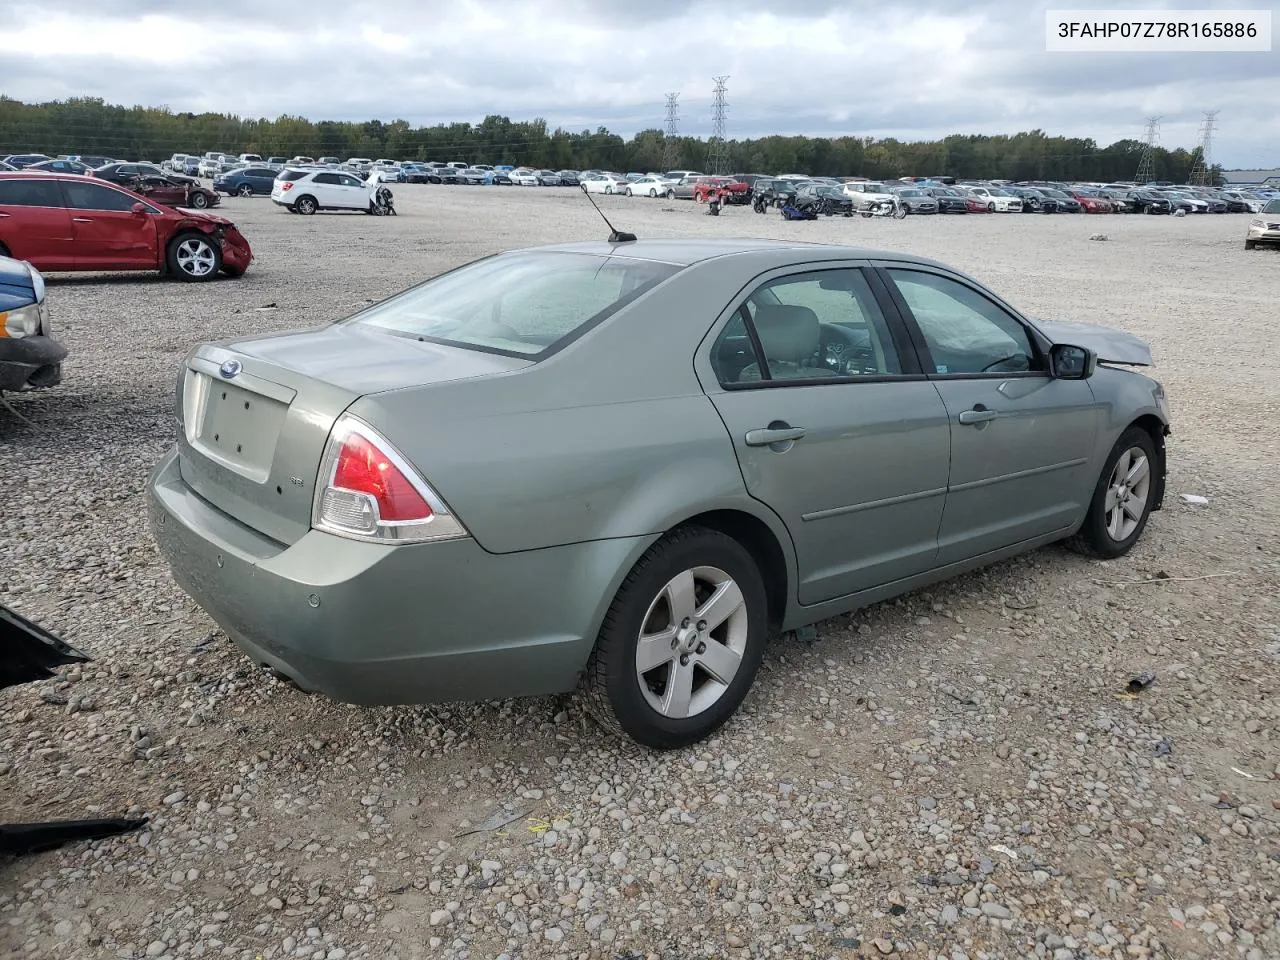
x=90, y=126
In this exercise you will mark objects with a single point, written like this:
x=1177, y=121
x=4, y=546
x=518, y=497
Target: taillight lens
x=368, y=491
x=287, y=185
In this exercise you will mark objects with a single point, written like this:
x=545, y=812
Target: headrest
x=787, y=333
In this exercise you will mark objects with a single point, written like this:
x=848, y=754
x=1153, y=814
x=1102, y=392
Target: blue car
x=247, y=182
x=29, y=358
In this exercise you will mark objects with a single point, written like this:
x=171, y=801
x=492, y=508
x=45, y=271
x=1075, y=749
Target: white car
x=996, y=200
x=648, y=186
x=863, y=193
x=524, y=177
x=602, y=183
x=306, y=191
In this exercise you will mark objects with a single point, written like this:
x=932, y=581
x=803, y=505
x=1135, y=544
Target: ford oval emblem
x=229, y=369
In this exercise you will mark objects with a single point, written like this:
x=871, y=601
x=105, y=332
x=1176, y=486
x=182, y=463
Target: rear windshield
x=292, y=174
x=526, y=304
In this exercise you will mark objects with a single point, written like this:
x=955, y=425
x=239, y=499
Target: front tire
x=198, y=201
x=682, y=642
x=671, y=194
x=1122, y=500
x=193, y=257
x=1250, y=244
x=629, y=193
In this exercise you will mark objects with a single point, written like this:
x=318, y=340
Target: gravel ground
x=954, y=774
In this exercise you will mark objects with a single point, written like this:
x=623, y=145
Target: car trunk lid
x=257, y=413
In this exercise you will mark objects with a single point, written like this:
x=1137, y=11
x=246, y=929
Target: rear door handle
x=768, y=435
x=82, y=219
x=978, y=414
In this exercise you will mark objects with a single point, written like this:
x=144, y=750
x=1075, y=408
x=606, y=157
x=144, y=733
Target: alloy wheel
x=195, y=257
x=692, y=642
x=1127, y=493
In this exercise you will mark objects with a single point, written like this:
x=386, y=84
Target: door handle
x=82, y=219
x=769, y=435
x=978, y=414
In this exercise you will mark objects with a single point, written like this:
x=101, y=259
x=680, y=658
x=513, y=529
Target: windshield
x=1273, y=206
x=875, y=188
x=909, y=193
x=525, y=304
x=1053, y=193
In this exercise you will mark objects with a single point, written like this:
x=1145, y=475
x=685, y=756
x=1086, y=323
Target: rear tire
x=244, y=190
x=193, y=258
x=1110, y=528
x=198, y=201
x=703, y=590
x=306, y=205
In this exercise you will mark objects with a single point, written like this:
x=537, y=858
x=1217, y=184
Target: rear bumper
x=30, y=363
x=372, y=624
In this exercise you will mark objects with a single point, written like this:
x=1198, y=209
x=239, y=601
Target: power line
x=670, y=145
x=718, y=154
x=1200, y=171
x=1147, y=162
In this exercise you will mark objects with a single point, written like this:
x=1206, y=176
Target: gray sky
x=916, y=69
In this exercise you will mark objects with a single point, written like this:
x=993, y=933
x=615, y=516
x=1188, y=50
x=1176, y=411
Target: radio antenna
x=615, y=236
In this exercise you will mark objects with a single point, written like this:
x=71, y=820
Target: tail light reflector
x=287, y=185
x=368, y=491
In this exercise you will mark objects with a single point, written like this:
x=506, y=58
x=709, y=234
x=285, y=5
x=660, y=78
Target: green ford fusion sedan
x=626, y=466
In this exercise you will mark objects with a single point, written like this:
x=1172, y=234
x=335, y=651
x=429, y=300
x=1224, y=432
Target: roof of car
x=686, y=252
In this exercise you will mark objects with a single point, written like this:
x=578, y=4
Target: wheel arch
x=1157, y=429
x=760, y=540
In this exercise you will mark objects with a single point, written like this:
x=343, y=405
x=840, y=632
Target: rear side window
x=331, y=178
x=29, y=193
x=292, y=174
x=524, y=305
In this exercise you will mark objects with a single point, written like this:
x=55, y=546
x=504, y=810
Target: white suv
x=863, y=193
x=306, y=191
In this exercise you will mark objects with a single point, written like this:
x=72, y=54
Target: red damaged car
x=1092, y=202
x=63, y=222
x=976, y=204
x=729, y=189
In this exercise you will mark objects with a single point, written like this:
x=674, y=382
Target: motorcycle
x=893, y=207
x=717, y=200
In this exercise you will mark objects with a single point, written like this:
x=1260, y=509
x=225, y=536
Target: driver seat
x=791, y=338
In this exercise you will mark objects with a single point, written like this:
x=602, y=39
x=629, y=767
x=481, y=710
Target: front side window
x=823, y=324
x=326, y=178
x=965, y=332
x=91, y=196
x=525, y=304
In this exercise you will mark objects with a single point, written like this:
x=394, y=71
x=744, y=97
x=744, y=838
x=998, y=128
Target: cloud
x=919, y=69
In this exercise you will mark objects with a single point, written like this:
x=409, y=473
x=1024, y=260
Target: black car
x=949, y=199
x=1236, y=202
x=30, y=359
x=1066, y=203
x=568, y=178
x=445, y=175
x=1033, y=201
x=126, y=173
x=1148, y=201
x=830, y=200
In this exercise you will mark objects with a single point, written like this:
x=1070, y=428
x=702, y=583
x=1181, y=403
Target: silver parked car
x=628, y=465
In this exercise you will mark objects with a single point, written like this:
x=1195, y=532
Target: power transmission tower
x=670, y=145
x=1200, y=171
x=1147, y=163
x=718, y=154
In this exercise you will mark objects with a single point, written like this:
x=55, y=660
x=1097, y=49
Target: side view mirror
x=139, y=209
x=1067, y=362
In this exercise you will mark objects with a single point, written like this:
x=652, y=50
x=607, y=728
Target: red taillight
x=368, y=490
x=288, y=185
x=363, y=468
